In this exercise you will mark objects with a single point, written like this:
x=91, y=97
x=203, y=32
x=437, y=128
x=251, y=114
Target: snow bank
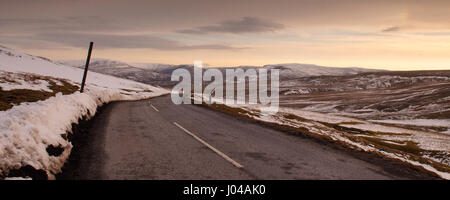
x=26, y=130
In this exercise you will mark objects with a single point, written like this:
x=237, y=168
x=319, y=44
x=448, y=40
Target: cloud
x=68, y=23
x=391, y=29
x=343, y=32
x=124, y=41
x=76, y=31
x=438, y=33
x=243, y=25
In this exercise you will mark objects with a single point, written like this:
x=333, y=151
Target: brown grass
x=349, y=123
x=232, y=110
x=346, y=129
x=404, y=146
x=10, y=98
x=437, y=115
x=137, y=91
x=409, y=148
x=14, y=97
x=295, y=117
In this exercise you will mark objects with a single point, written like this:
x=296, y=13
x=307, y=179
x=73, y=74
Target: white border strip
x=236, y=164
x=154, y=108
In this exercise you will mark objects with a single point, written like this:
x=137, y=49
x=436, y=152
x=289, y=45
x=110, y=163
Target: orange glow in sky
x=394, y=35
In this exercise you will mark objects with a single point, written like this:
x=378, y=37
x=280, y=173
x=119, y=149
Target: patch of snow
x=17, y=179
x=419, y=122
x=298, y=91
x=27, y=129
x=21, y=83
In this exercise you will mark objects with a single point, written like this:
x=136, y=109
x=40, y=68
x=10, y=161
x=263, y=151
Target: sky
x=382, y=34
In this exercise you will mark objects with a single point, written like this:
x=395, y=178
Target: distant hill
x=296, y=70
x=159, y=74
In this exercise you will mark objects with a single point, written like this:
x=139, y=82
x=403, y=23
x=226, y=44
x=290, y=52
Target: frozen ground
x=29, y=129
x=404, y=115
x=428, y=149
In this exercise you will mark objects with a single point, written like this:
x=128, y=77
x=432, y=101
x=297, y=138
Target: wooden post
x=86, y=67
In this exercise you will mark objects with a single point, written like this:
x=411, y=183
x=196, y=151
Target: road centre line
x=236, y=164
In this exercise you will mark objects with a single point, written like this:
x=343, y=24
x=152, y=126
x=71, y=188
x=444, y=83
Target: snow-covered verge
x=28, y=129
x=429, y=150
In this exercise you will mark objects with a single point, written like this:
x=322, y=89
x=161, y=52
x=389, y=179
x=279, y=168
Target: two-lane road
x=155, y=139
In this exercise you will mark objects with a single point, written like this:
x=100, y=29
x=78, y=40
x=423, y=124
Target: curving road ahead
x=155, y=139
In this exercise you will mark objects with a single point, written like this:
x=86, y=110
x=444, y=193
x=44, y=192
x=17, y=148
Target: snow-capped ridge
x=293, y=70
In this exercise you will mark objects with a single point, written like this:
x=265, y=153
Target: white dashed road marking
x=236, y=164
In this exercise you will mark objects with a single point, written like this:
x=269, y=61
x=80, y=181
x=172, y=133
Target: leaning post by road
x=86, y=67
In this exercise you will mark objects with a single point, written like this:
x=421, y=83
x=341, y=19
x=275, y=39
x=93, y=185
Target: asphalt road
x=155, y=139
